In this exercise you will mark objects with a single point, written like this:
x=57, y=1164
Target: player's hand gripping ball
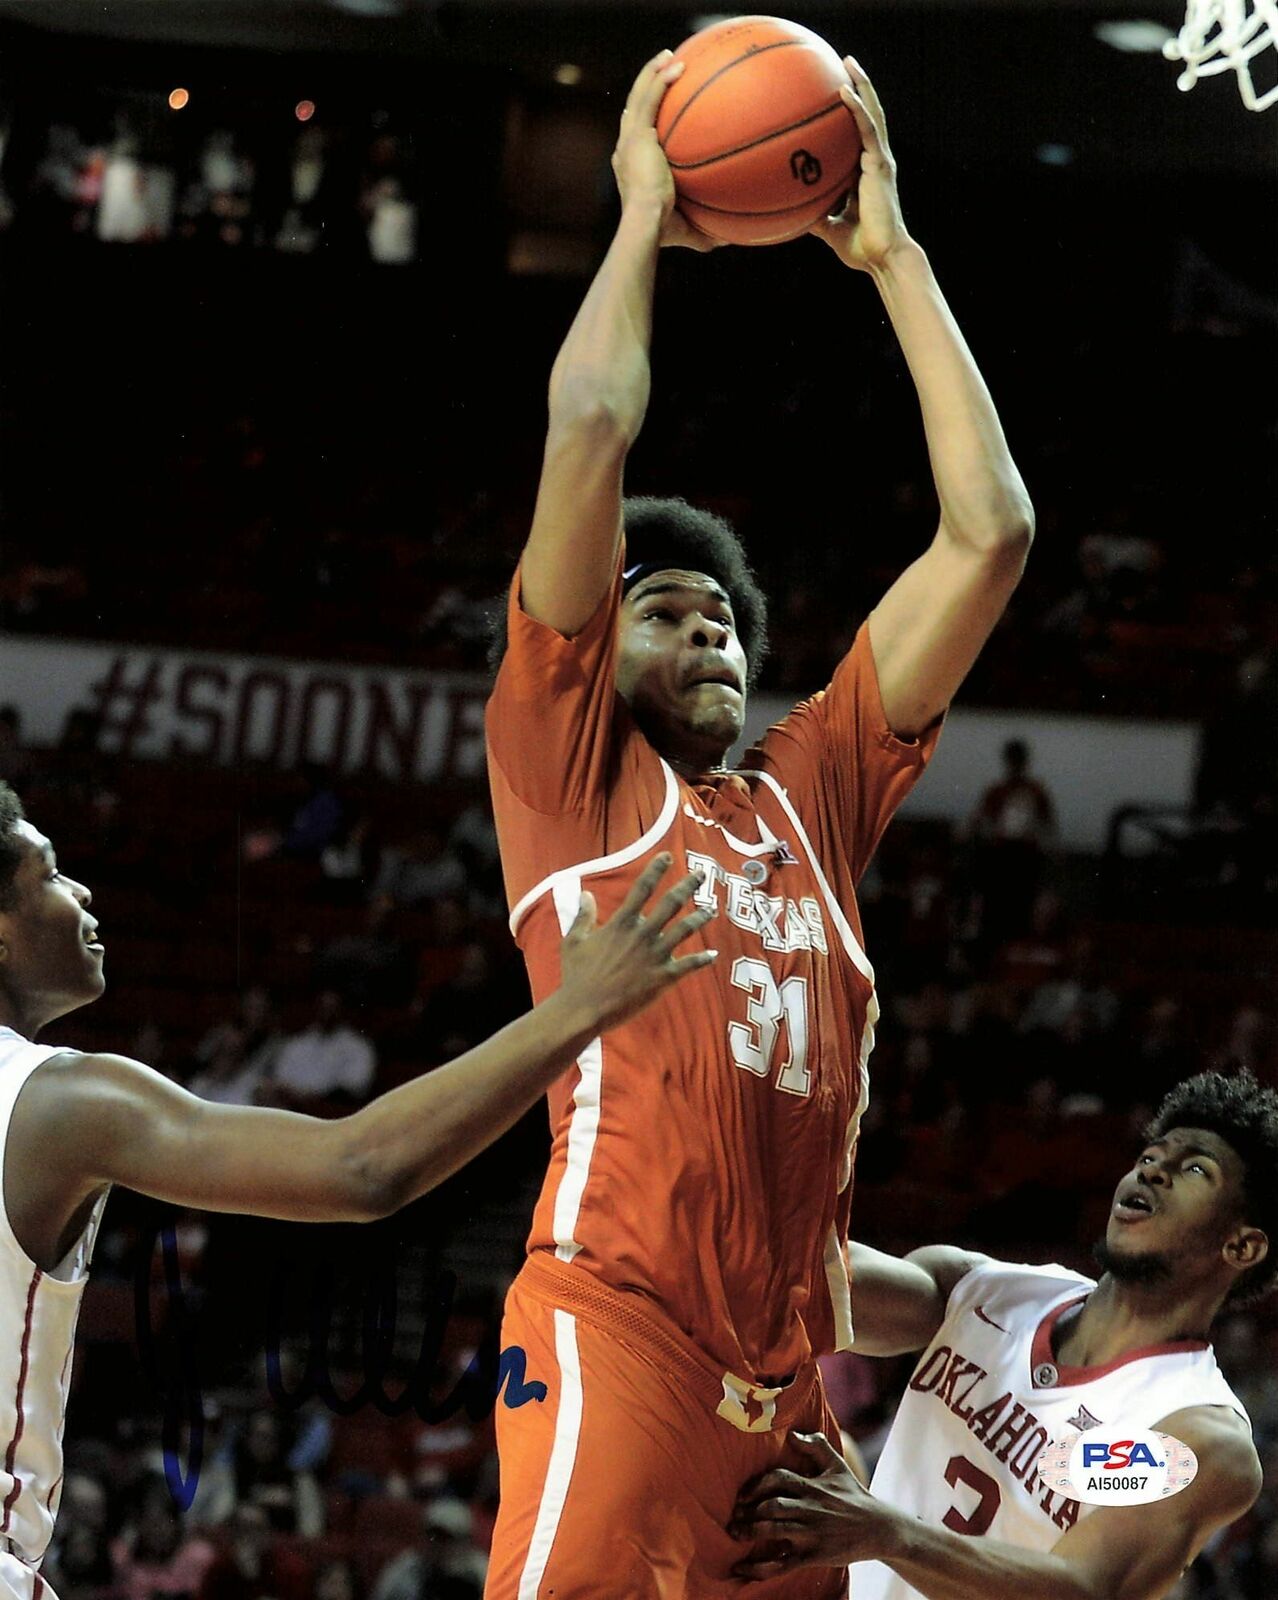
x=759, y=142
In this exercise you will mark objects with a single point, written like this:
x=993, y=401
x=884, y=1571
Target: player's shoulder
x=1221, y=1439
x=946, y=1264
x=1019, y=1282
x=76, y=1088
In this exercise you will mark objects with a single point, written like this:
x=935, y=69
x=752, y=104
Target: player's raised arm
x=115, y=1121
x=826, y=1518
x=600, y=380
x=930, y=626
x=898, y=1304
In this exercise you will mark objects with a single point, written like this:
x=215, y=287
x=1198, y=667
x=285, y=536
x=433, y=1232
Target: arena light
x=178, y=98
x=369, y=8
x=568, y=73
x=1135, y=37
x=304, y=110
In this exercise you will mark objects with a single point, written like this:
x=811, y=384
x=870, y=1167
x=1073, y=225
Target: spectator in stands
x=253, y=1031
x=230, y=1076
x=47, y=589
x=15, y=759
x=1076, y=993
x=1237, y=783
x=156, y=1556
x=1248, y=1045
x=445, y=1566
x=472, y=839
x=1158, y=1053
x=1036, y=954
x=1013, y=827
x=462, y=1009
x=79, y=1564
x=217, y=207
x=255, y=1472
x=420, y=870
x=371, y=965
x=350, y=863
x=319, y=820
x=338, y=1579
x=299, y=229
x=253, y=1565
x=392, y=222
x=327, y=1061
x=122, y=209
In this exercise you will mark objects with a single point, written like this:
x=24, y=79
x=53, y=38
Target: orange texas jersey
x=702, y=1152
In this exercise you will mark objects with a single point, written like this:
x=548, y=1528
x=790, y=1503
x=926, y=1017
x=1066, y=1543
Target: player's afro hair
x=1245, y=1115
x=11, y=814
x=671, y=533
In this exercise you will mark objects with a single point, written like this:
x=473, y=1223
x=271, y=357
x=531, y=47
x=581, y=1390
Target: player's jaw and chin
x=1132, y=1265
x=1154, y=1248
x=694, y=722
x=697, y=725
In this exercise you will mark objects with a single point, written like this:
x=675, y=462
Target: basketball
x=758, y=140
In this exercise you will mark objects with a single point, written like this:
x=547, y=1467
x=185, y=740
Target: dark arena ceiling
x=1001, y=82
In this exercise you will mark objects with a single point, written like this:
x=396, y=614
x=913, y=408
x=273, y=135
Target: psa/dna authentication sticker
x=1117, y=1466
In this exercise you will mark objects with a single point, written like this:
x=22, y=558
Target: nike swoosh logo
x=980, y=1312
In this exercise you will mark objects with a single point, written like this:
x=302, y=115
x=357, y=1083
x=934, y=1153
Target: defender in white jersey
x=73, y=1124
x=1016, y=1356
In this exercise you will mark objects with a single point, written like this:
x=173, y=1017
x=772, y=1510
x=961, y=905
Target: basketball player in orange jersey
x=1017, y=1356
x=71, y=1125
x=686, y=1261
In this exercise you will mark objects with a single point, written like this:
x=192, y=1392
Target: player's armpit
x=931, y=625
x=1139, y=1552
x=897, y=1305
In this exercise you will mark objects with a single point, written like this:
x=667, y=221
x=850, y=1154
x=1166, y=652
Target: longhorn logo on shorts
x=747, y=1406
x=805, y=167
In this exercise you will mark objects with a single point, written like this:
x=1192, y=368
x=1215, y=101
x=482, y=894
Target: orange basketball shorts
x=620, y=1480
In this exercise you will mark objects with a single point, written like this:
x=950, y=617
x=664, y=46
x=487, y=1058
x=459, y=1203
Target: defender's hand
x=639, y=163
x=819, y=1518
x=618, y=968
x=870, y=226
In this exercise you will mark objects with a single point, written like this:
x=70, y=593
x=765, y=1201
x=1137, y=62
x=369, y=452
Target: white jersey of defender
x=986, y=1398
x=38, y=1312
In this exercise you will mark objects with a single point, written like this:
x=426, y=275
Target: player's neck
x=1118, y=1318
x=695, y=771
x=14, y=1015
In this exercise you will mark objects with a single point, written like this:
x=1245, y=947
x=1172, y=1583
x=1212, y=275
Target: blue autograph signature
x=492, y=1372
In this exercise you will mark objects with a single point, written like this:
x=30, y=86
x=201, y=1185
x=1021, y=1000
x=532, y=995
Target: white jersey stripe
x=836, y=1267
x=584, y=1124
x=19, y=1406
x=618, y=858
x=563, y=1457
x=836, y=1276
x=850, y=941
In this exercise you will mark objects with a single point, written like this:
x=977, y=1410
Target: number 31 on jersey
x=754, y=1042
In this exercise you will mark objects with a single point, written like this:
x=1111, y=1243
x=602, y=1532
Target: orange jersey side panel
x=699, y=1151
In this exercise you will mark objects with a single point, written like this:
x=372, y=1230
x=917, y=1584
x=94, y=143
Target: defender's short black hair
x=671, y=533
x=1245, y=1116
x=11, y=852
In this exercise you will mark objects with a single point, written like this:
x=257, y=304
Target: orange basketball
x=756, y=135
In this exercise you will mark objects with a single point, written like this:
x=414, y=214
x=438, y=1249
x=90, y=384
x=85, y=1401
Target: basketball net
x=1220, y=35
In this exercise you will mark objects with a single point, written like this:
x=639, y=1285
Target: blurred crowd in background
x=252, y=438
